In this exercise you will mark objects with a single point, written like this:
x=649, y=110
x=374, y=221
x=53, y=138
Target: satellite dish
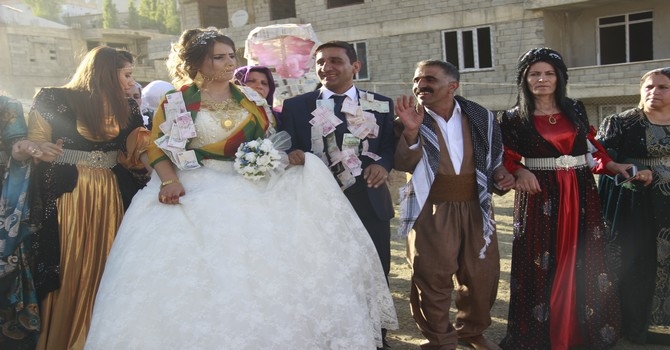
x=239, y=18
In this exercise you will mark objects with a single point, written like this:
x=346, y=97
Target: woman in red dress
x=561, y=292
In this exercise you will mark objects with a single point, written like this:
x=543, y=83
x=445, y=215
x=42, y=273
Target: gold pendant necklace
x=552, y=120
x=227, y=123
x=551, y=116
x=229, y=113
x=223, y=109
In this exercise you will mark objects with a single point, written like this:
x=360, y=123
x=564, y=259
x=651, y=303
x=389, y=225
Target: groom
x=351, y=130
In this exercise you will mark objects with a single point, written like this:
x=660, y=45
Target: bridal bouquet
x=254, y=159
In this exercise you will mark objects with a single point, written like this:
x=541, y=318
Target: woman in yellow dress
x=89, y=134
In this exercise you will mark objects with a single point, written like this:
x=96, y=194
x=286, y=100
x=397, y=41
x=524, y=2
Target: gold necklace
x=229, y=112
x=552, y=116
x=552, y=119
x=225, y=110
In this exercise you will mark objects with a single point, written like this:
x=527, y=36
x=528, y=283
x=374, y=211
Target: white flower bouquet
x=254, y=159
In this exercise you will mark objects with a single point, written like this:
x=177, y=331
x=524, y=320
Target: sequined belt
x=563, y=162
x=651, y=161
x=92, y=159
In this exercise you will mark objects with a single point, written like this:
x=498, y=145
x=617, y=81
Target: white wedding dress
x=275, y=264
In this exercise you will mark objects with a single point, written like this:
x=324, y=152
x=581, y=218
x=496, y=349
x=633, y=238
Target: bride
x=225, y=262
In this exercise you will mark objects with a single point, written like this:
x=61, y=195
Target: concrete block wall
x=158, y=51
x=159, y=48
x=37, y=57
x=189, y=15
x=400, y=33
x=393, y=59
x=620, y=80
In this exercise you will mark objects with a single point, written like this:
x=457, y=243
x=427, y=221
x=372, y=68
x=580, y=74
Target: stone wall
x=35, y=57
x=400, y=33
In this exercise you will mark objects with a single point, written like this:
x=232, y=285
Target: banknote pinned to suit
x=377, y=106
x=350, y=107
x=326, y=119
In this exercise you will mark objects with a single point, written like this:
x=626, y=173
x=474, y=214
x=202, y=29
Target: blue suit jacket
x=295, y=116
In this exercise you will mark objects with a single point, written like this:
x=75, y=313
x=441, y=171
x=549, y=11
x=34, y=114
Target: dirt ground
x=407, y=337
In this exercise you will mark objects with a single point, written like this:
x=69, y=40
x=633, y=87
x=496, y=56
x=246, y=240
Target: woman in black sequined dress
x=561, y=292
x=638, y=210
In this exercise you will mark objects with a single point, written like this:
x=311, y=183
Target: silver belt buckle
x=566, y=162
x=97, y=159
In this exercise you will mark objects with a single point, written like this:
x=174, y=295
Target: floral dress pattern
x=19, y=313
x=639, y=220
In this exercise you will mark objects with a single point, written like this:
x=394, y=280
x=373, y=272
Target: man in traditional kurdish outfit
x=454, y=149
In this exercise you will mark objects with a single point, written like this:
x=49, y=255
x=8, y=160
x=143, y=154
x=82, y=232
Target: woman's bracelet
x=168, y=182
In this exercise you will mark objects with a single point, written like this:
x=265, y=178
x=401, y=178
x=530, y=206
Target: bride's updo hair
x=188, y=54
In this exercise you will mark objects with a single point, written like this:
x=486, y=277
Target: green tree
x=146, y=11
x=110, y=15
x=49, y=9
x=133, y=16
x=159, y=16
x=172, y=22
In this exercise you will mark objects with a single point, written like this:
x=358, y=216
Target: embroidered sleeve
x=136, y=144
x=39, y=129
x=153, y=151
x=610, y=133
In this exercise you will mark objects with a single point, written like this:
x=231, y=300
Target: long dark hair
x=525, y=98
x=95, y=84
x=189, y=53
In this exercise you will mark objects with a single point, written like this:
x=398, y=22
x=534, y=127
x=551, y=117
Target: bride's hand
x=296, y=157
x=170, y=193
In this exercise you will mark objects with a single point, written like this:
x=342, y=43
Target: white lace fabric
x=281, y=264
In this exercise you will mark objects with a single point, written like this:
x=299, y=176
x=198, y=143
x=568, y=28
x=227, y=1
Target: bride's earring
x=199, y=81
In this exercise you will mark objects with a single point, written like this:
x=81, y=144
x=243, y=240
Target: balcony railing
x=564, y=4
x=621, y=79
x=100, y=33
